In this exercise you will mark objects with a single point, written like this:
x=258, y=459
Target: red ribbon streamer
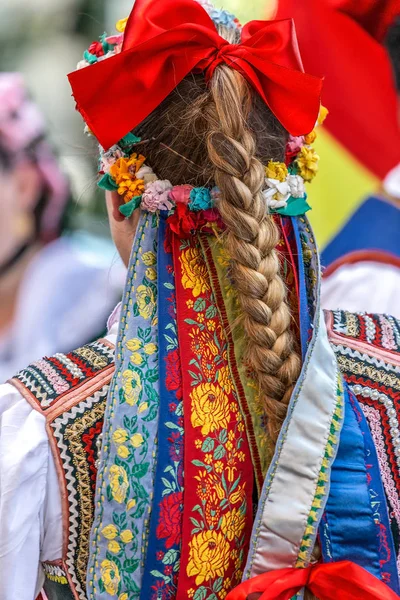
x=164, y=41
x=328, y=581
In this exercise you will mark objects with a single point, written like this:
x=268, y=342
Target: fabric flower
x=307, y=163
x=156, y=196
x=181, y=193
x=110, y=576
x=210, y=408
x=200, y=199
x=209, y=556
x=277, y=193
x=276, y=170
x=119, y=483
x=323, y=113
x=96, y=48
x=296, y=186
x=124, y=172
x=147, y=174
x=121, y=24
x=293, y=147
x=109, y=158
x=182, y=221
x=310, y=137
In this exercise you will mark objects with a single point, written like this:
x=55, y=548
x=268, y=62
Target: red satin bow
x=165, y=40
x=328, y=581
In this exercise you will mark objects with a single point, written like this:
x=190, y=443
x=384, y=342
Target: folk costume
x=68, y=272
x=168, y=485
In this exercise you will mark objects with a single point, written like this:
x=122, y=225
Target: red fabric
x=164, y=41
x=375, y=16
x=329, y=581
x=359, y=88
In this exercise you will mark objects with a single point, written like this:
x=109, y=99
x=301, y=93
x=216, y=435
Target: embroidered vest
x=70, y=390
x=367, y=348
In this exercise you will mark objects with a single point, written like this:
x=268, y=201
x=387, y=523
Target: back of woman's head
x=222, y=133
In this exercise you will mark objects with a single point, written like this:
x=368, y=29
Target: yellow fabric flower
x=123, y=451
x=137, y=440
x=150, y=349
x=323, y=113
x=233, y=523
x=149, y=258
x=110, y=532
x=210, y=408
x=189, y=303
x=194, y=272
x=134, y=344
x=129, y=188
x=123, y=171
x=120, y=436
x=209, y=555
x=120, y=26
x=310, y=137
x=132, y=385
x=276, y=170
x=114, y=547
x=126, y=536
x=145, y=301
x=211, y=325
x=219, y=466
x=307, y=163
x=208, y=459
x=110, y=576
x=136, y=358
x=198, y=444
x=151, y=274
x=118, y=483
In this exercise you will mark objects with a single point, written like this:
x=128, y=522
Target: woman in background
x=55, y=292
x=233, y=444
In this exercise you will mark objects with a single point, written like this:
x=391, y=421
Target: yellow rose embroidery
x=137, y=440
x=142, y=407
x=145, y=301
x=132, y=385
x=123, y=596
x=110, y=576
x=123, y=451
x=307, y=163
x=118, y=483
x=151, y=274
x=110, y=532
x=194, y=272
x=134, y=344
x=136, y=359
x=225, y=380
x=150, y=349
x=149, y=258
x=210, y=408
x=131, y=504
x=120, y=436
x=209, y=554
x=233, y=523
x=126, y=536
x=114, y=547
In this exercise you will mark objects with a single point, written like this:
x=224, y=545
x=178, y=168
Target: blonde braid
x=251, y=239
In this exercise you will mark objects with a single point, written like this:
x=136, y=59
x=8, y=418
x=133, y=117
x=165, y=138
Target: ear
x=28, y=185
x=115, y=200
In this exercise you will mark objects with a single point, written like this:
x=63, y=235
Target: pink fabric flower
x=156, y=196
x=295, y=144
x=181, y=193
x=109, y=158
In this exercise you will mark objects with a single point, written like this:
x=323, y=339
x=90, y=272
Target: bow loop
x=165, y=41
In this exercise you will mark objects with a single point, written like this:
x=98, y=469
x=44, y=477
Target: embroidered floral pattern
x=217, y=513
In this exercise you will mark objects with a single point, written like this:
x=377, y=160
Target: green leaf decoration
x=131, y=564
x=295, y=207
x=199, y=305
x=128, y=208
x=200, y=593
x=219, y=452
x=211, y=312
x=130, y=139
x=140, y=471
x=208, y=445
x=107, y=183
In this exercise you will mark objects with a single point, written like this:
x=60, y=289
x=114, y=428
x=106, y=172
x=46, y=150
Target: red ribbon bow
x=167, y=39
x=328, y=581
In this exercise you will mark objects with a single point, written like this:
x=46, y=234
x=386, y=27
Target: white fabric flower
x=277, y=193
x=296, y=186
x=147, y=174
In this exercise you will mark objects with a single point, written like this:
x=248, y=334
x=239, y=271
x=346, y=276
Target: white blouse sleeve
x=363, y=287
x=27, y=477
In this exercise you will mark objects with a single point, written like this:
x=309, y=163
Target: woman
x=232, y=448
x=47, y=280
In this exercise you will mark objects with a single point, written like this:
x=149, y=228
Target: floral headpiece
x=123, y=169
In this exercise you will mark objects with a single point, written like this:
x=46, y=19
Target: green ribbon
x=128, y=208
x=130, y=139
x=295, y=207
x=107, y=183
